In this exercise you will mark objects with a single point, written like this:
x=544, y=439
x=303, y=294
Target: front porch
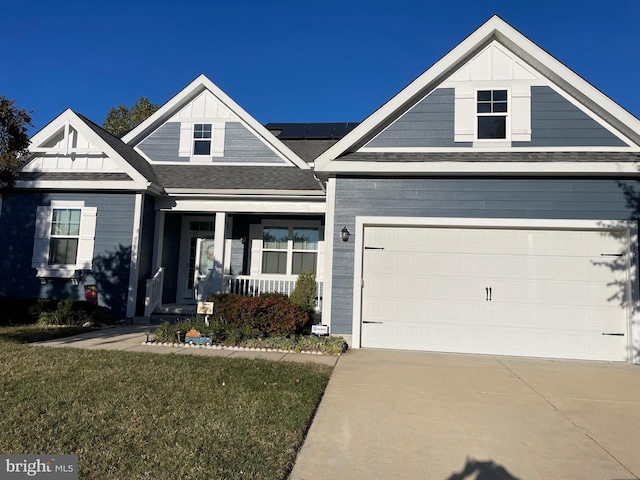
x=196, y=255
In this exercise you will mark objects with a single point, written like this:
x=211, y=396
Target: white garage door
x=542, y=293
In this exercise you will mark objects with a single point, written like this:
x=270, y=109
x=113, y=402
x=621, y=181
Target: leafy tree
x=122, y=119
x=14, y=141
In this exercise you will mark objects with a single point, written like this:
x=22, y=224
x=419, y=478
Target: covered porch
x=197, y=254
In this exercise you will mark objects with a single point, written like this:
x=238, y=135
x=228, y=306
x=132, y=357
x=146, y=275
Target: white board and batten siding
x=539, y=292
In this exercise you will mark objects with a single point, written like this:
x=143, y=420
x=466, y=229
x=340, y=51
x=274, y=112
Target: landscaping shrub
x=304, y=295
x=273, y=314
x=73, y=312
x=225, y=308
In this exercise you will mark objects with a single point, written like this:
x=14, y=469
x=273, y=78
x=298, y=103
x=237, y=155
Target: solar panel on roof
x=292, y=131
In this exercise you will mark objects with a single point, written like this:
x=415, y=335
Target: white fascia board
x=215, y=163
x=497, y=28
x=82, y=185
x=244, y=193
x=479, y=149
x=200, y=84
x=496, y=168
x=241, y=206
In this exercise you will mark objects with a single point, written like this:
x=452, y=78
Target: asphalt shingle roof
x=308, y=150
x=125, y=151
x=231, y=177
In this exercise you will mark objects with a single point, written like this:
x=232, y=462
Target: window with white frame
x=289, y=250
x=64, y=238
x=492, y=111
x=202, y=139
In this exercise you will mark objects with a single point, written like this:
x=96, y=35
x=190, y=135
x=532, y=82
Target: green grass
x=149, y=416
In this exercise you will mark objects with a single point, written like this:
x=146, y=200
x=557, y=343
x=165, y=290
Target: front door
x=196, y=254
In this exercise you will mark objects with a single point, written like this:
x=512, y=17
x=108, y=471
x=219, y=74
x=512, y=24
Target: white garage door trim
x=633, y=324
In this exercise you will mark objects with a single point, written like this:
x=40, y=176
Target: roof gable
x=236, y=137
x=73, y=149
x=495, y=55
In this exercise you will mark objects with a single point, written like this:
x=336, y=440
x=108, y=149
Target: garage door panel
x=553, y=294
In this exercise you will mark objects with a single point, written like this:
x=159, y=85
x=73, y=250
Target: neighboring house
x=489, y=207
x=489, y=210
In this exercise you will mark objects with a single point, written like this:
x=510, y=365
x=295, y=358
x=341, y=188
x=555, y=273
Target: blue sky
x=285, y=61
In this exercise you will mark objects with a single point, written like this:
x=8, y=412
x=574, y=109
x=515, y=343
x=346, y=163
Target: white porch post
x=135, y=254
x=218, y=250
x=158, y=241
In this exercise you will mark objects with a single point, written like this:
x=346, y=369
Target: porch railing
x=249, y=286
x=153, y=294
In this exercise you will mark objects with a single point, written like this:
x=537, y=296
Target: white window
x=492, y=111
x=202, y=139
x=289, y=250
x=64, y=239
x=65, y=236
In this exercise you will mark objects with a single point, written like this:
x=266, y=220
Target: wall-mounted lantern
x=344, y=234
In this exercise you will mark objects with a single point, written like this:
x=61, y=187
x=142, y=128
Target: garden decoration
x=194, y=337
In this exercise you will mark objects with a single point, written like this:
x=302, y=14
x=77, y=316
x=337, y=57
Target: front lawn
x=135, y=415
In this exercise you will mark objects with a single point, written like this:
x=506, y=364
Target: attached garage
x=548, y=289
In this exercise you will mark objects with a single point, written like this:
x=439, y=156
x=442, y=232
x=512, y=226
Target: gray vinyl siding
x=111, y=257
x=430, y=123
x=240, y=146
x=461, y=198
x=555, y=122
x=145, y=259
x=163, y=144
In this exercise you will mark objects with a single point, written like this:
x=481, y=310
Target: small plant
x=305, y=292
x=72, y=312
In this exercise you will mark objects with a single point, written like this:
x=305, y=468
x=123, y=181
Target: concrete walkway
x=411, y=415
x=131, y=338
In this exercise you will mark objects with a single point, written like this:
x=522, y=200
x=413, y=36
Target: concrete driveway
x=413, y=415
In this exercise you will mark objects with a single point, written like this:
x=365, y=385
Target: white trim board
x=138, y=218
x=282, y=207
x=494, y=168
x=632, y=292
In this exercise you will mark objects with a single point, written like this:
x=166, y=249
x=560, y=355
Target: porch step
x=175, y=309
x=171, y=313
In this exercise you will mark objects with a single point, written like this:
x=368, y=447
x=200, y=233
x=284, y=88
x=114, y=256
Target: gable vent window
x=202, y=139
x=492, y=114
